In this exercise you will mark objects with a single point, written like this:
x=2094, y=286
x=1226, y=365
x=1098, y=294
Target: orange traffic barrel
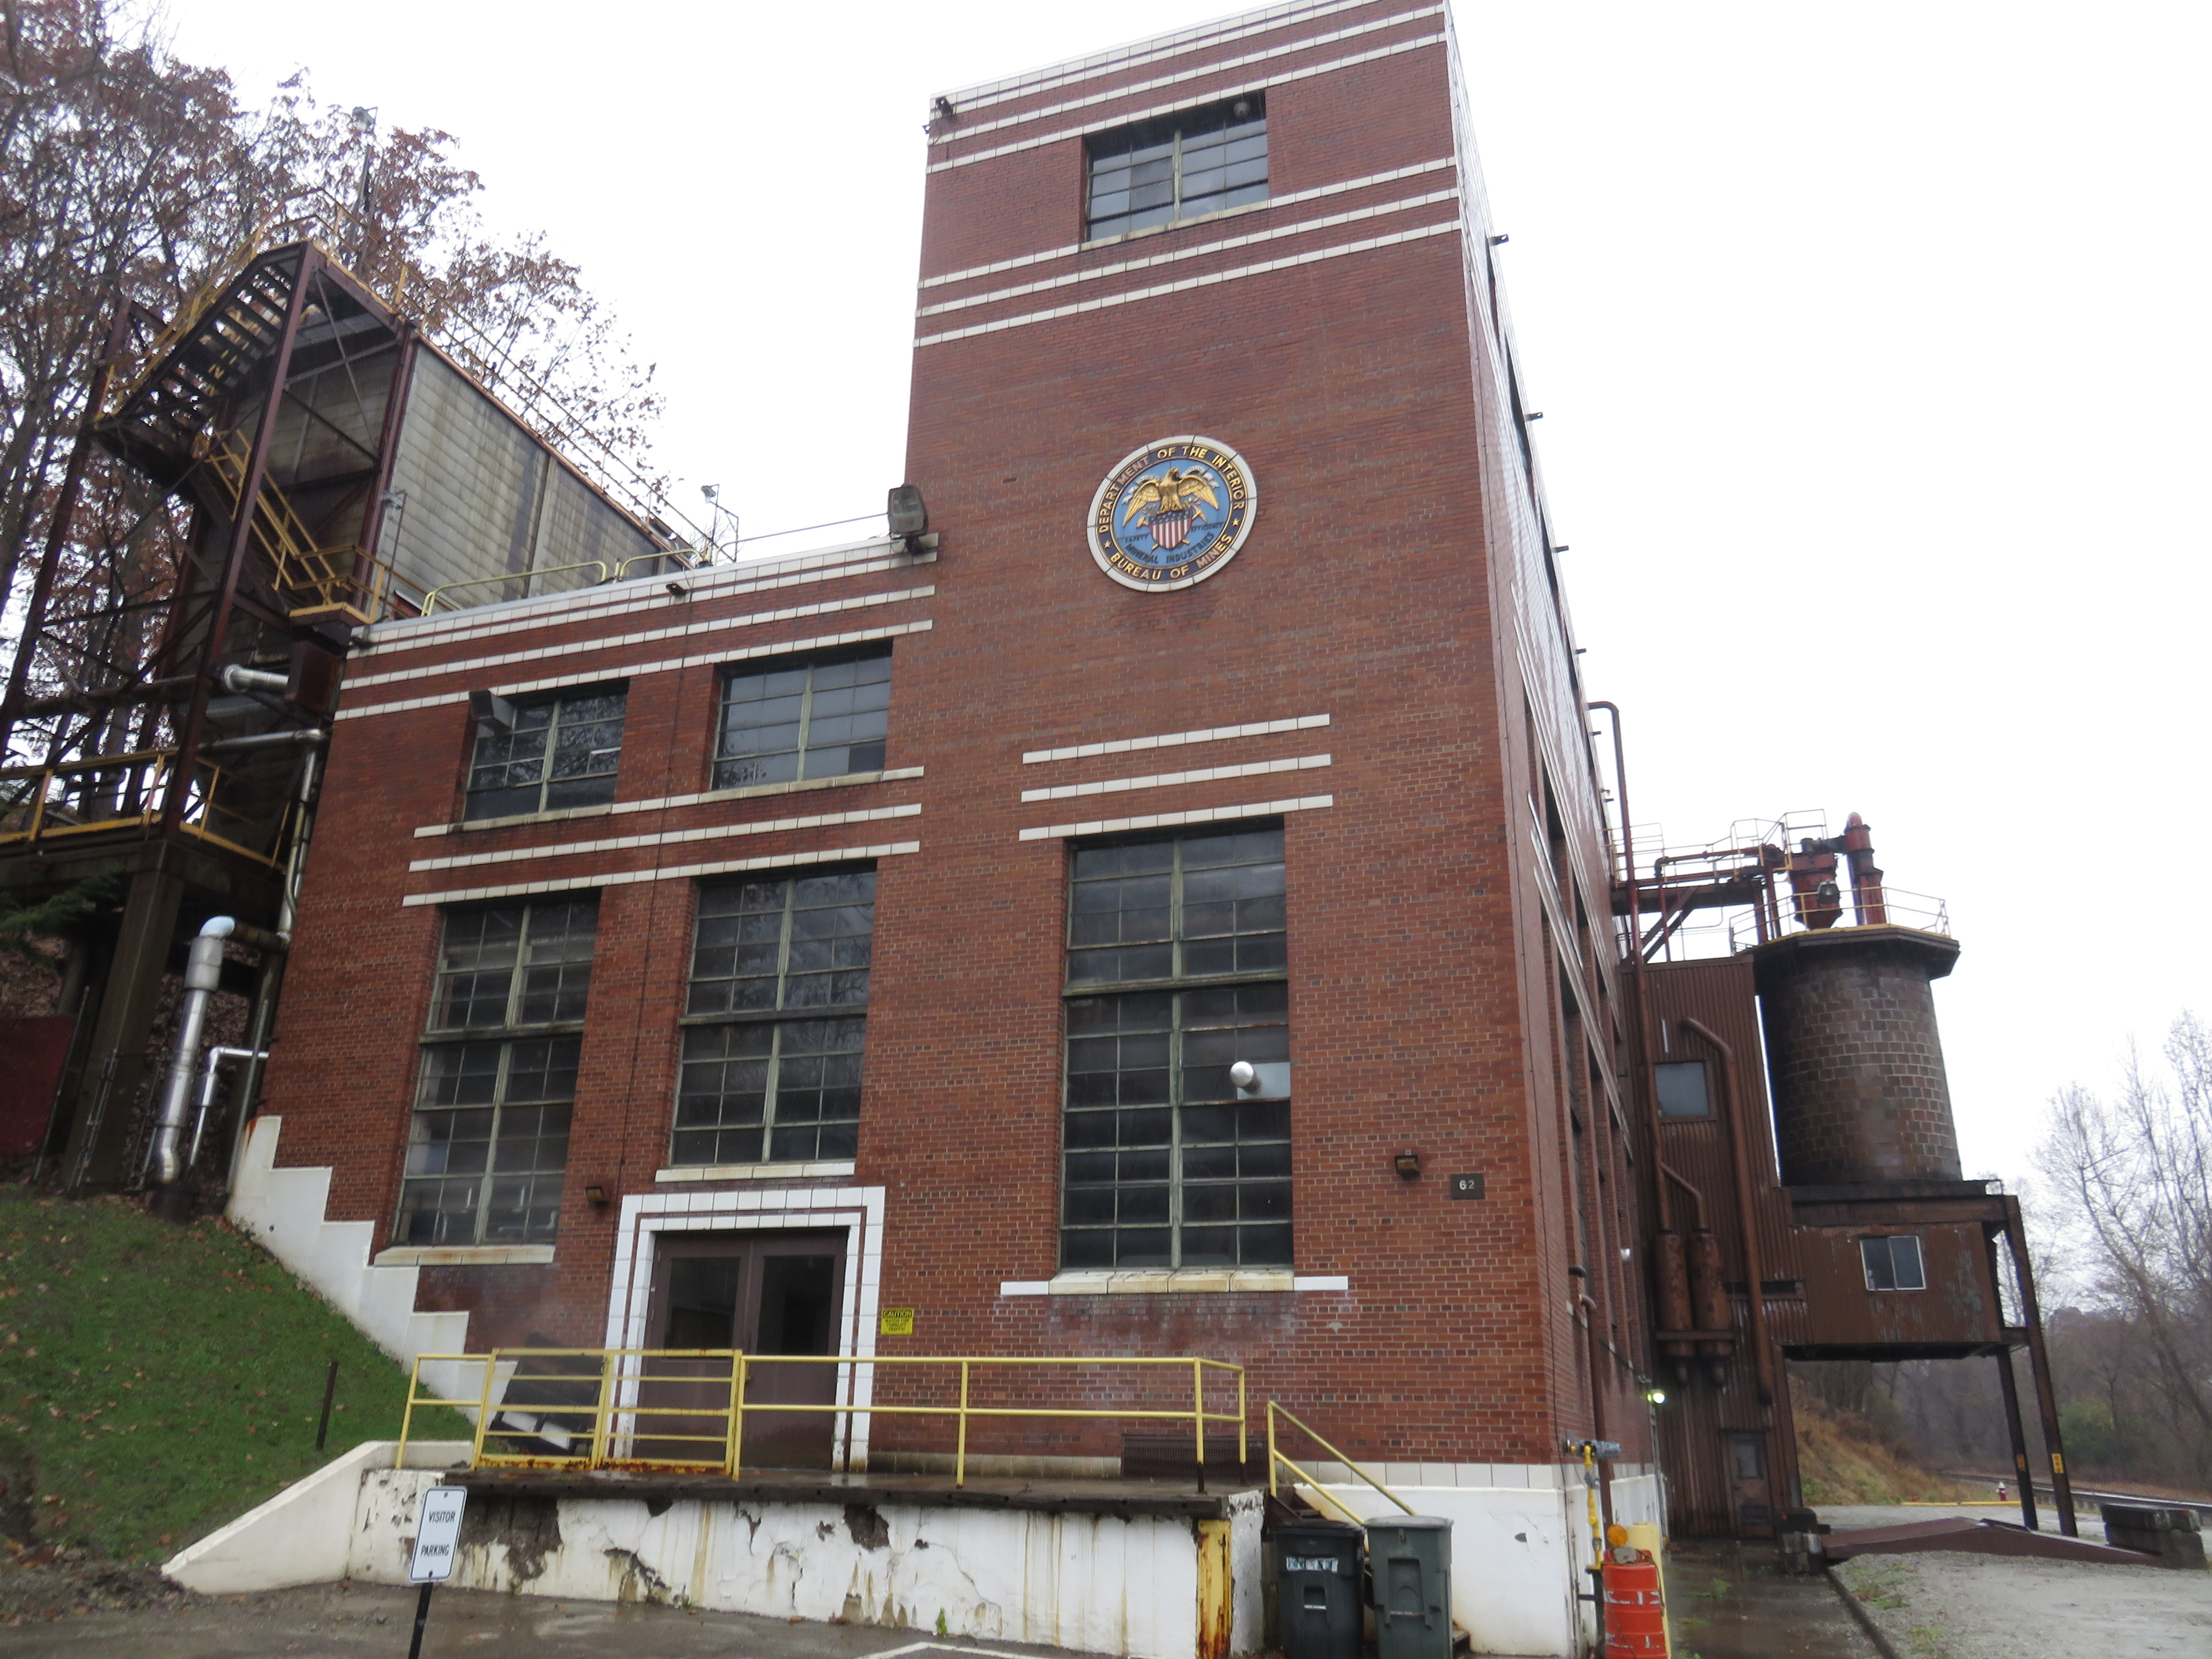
x=1635, y=1616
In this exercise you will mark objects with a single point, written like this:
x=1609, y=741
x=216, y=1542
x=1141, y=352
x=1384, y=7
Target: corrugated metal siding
x=1698, y=1417
x=485, y=498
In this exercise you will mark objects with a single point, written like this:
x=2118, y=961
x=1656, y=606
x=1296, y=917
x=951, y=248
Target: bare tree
x=2135, y=1176
x=128, y=178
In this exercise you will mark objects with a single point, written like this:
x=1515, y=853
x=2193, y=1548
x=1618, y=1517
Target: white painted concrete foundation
x=1517, y=1550
x=1102, y=1583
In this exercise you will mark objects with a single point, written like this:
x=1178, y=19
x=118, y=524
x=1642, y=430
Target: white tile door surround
x=858, y=1210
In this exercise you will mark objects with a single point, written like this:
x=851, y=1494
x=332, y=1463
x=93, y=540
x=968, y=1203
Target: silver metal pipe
x=215, y=1056
x=304, y=738
x=203, y=973
x=238, y=677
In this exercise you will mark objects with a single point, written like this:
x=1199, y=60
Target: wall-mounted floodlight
x=1408, y=1164
x=907, y=512
x=1499, y=241
x=494, y=715
x=676, y=590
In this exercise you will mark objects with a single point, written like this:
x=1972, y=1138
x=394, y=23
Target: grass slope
x=1843, y=1460
x=166, y=1379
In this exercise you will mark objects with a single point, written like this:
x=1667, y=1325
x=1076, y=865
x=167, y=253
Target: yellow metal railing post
x=483, y=1407
x=407, y=1416
x=1244, y=1427
x=740, y=1365
x=737, y=1415
x=960, y=1452
x=1272, y=1490
x=603, y=1413
x=1198, y=1414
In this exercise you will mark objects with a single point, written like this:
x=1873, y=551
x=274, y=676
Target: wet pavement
x=1733, y=1601
x=374, y=1621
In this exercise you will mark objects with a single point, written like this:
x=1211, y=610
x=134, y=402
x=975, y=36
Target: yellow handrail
x=430, y=599
x=1275, y=1456
x=621, y=1417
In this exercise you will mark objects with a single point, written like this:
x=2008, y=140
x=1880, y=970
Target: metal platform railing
x=107, y=793
x=686, y=1409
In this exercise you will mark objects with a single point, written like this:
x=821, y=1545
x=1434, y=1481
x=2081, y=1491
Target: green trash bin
x=1318, y=1595
x=1409, y=1557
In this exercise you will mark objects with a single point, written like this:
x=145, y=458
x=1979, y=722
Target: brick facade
x=1450, y=958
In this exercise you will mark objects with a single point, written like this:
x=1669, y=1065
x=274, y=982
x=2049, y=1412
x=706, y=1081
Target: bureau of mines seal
x=1172, y=513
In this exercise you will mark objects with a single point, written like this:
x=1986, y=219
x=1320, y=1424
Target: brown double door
x=766, y=1294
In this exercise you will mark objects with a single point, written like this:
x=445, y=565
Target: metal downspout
x=272, y=966
x=203, y=973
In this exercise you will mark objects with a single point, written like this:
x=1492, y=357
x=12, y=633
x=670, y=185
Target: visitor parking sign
x=437, y=1535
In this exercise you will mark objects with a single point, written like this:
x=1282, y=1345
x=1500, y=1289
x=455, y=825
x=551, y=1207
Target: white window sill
x=1179, y=1281
x=465, y=1255
x=755, y=1171
x=661, y=803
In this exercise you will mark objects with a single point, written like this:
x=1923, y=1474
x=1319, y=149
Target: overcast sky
x=1871, y=343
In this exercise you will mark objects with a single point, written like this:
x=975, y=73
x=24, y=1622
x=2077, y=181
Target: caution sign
x=437, y=1535
x=896, y=1321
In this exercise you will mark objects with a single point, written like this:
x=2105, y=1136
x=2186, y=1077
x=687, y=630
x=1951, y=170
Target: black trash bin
x=1409, y=1557
x=1318, y=1600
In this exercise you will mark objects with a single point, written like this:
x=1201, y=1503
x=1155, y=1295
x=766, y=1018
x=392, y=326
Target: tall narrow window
x=1178, y=167
x=816, y=717
x=1175, y=972
x=555, y=752
x=490, y=1138
x=777, y=1018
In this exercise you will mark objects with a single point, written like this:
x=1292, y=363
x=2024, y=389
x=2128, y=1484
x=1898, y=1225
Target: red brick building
x=768, y=952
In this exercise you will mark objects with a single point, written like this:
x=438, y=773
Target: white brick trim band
x=1317, y=193
x=1150, y=50
x=1129, y=118
x=1218, y=66
x=1168, y=820
x=1226, y=245
x=1165, y=780
x=643, y=637
x=665, y=838
x=631, y=671
x=1173, y=739
x=1132, y=295
x=678, y=872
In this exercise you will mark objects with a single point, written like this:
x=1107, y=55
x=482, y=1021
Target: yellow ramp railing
x=688, y=1409
x=1311, y=1482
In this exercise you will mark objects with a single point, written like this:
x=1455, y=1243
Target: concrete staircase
x=285, y=1211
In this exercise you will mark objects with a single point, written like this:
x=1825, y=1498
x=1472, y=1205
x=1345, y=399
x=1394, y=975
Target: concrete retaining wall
x=1100, y=1583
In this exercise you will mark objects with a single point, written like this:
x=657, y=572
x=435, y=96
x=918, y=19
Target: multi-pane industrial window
x=559, y=751
x=1893, y=1263
x=490, y=1135
x=775, y=1027
x=1175, y=971
x=820, y=717
x=1178, y=167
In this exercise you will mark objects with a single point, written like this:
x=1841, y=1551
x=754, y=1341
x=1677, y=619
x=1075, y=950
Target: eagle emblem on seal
x=1172, y=513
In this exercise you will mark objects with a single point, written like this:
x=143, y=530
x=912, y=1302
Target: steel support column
x=2018, y=1432
x=99, y=1130
x=2046, y=1398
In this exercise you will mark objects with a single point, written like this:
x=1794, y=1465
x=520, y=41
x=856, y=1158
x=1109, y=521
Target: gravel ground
x=1949, y=1605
